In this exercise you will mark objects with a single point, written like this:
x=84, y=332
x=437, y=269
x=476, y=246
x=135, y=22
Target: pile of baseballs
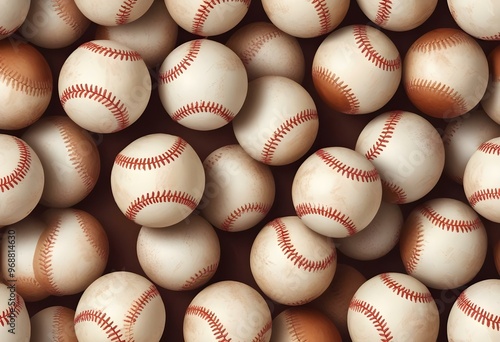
x=261, y=97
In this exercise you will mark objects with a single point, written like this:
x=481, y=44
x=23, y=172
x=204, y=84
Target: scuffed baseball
x=13, y=15
x=279, y=121
x=113, y=12
x=491, y=100
x=181, y=257
x=53, y=323
x=356, y=69
x=15, y=325
x=480, y=19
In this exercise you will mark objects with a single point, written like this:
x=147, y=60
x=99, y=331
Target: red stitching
x=260, y=208
x=262, y=332
x=137, y=307
x=383, y=12
x=492, y=37
x=304, y=209
x=58, y=324
x=45, y=258
x=403, y=292
x=200, y=276
x=220, y=333
x=103, y=321
x=23, y=83
x=101, y=95
x=155, y=162
x=483, y=195
x=279, y=134
x=23, y=166
x=440, y=43
x=340, y=86
x=7, y=32
x=346, y=170
x=294, y=328
x=490, y=148
x=6, y=314
x=441, y=89
x=291, y=253
x=178, y=69
x=203, y=107
x=123, y=15
x=159, y=197
x=84, y=226
x=461, y=226
x=374, y=316
x=255, y=45
x=474, y=311
x=395, y=190
x=412, y=262
x=204, y=10
x=361, y=38
x=385, y=135
x=61, y=10
x=127, y=55
x=323, y=12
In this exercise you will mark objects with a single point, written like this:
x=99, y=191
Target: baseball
x=15, y=325
x=207, y=17
x=482, y=180
x=153, y=35
x=443, y=243
x=491, y=99
x=25, y=84
x=113, y=12
x=239, y=191
x=475, y=314
x=306, y=18
x=291, y=263
x=393, y=307
x=480, y=19
x=445, y=73
x=227, y=310
x=120, y=306
x=71, y=252
x=13, y=15
x=181, y=257
x=157, y=180
x=398, y=15
x=356, y=69
x=347, y=174
x=69, y=157
x=278, y=123
x=54, y=24
x=266, y=50
x=21, y=179
x=54, y=323
x=407, y=151
x=202, y=84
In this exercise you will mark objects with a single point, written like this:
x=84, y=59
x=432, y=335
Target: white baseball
x=227, y=310
x=292, y=264
x=475, y=315
x=113, y=12
x=393, y=307
x=54, y=24
x=407, y=151
x=266, y=50
x=15, y=325
x=306, y=18
x=202, y=84
x=181, y=257
x=356, y=69
x=239, y=191
x=157, y=180
x=491, y=100
x=69, y=157
x=104, y=86
x=120, y=306
x=53, y=323
x=398, y=15
x=482, y=180
x=347, y=174
x=278, y=123
x=21, y=179
x=207, y=17
x=13, y=15
x=480, y=19
x=443, y=243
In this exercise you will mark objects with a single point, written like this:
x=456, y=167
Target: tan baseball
x=356, y=69
x=13, y=15
x=120, y=306
x=113, y=12
x=15, y=325
x=491, y=100
x=480, y=19
x=53, y=323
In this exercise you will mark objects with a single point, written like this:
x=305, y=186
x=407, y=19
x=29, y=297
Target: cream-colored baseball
x=291, y=263
x=202, y=84
x=207, y=17
x=393, y=307
x=69, y=157
x=306, y=18
x=15, y=325
x=13, y=15
x=53, y=323
x=239, y=191
x=482, y=180
x=153, y=35
x=104, y=86
x=407, y=151
x=181, y=257
x=445, y=73
x=227, y=310
x=491, y=100
x=356, y=69
x=347, y=174
x=279, y=121
x=266, y=50
x=157, y=180
x=21, y=179
x=113, y=12
x=25, y=84
x=398, y=15
x=443, y=243
x=475, y=315
x=120, y=306
x=480, y=19
x=54, y=24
